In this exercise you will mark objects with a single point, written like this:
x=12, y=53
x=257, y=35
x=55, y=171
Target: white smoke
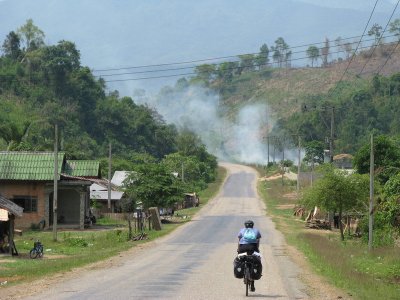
x=241, y=138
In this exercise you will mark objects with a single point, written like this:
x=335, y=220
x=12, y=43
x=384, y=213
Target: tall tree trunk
x=341, y=224
x=130, y=225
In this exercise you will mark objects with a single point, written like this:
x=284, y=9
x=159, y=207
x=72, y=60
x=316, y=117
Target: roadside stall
x=8, y=211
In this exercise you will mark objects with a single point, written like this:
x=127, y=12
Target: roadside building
x=27, y=179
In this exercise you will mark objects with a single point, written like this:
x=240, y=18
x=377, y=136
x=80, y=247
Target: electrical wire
x=191, y=67
x=206, y=59
x=380, y=38
x=365, y=29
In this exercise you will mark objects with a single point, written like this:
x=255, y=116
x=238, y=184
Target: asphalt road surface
x=196, y=260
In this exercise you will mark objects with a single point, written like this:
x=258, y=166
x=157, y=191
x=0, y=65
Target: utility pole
x=298, y=169
x=267, y=151
x=109, y=178
x=332, y=134
x=283, y=159
x=55, y=191
x=274, y=150
x=371, y=194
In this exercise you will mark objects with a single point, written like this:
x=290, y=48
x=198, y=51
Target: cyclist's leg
x=252, y=288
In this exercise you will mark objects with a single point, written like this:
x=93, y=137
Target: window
x=28, y=203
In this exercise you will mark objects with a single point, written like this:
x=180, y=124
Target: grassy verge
x=77, y=248
x=348, y=265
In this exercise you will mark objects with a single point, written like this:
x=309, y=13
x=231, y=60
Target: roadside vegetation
x=346, y=263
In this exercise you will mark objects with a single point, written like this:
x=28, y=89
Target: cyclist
x=249, y=240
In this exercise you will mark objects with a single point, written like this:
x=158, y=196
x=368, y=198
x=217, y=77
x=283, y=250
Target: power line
x=389, y=57
x=380, y=38
x=206, y=59
x=183, y=74
x=191, y=67
x=352, y=57
x=193, y=73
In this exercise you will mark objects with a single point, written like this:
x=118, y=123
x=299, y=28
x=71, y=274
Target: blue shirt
x=242, y=241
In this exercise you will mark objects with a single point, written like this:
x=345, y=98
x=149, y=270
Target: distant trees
x=247, y=62
x=11, y=46
x=376, y=32
x=313, y=54
x=314, y=152
x=31, y=36
x=325, y=51
x=262, y=58
x=394, y=27
x=281, y=53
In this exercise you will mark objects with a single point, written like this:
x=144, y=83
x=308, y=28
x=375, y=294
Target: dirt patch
x=291, y=196
x=285, y=206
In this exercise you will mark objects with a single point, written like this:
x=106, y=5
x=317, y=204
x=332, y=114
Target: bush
x=383, y=233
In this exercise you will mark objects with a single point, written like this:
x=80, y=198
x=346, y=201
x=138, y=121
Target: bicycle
x=252, y=269
x=37, y=250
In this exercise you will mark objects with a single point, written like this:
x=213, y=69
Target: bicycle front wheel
x=33, y=253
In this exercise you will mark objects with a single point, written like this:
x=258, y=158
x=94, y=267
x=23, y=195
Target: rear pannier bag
x=238, y=268
x=256, y=270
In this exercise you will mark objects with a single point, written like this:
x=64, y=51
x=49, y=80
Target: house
x=8, y=211
x=99, y=193
x=343, y=161
x=27, y=179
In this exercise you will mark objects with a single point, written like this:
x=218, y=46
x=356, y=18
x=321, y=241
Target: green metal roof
x=82, y=168
x=29, y=165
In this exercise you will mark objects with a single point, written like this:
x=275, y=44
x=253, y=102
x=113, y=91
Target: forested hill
x=359, y=94
x=43, y=85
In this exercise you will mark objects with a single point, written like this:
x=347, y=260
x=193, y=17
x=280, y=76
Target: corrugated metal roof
x=29, y=165
x=82, y=168
x=10, y=206
x=119, y=177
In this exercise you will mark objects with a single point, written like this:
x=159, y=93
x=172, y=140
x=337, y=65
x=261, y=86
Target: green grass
x=348, y=265
x=78, y=248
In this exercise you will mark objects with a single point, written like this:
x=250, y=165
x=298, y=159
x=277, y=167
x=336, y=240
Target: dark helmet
x=249, y=224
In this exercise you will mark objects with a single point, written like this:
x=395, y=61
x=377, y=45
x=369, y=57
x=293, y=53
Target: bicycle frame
x=247, y=274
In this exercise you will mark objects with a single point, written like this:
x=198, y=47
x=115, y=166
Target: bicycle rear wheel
x=33, y=253
x=247, y=280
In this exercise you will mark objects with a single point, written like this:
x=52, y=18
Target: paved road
x=195, y=261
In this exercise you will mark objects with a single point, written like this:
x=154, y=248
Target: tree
x=31, y=35
x=313, y=54
x=11, y=46
x=394, y=27
x=247, y=62
x=386, y=158
x=376, y=31
x=281, y=52
x=154, y=185
x=205, y=72
x=335, y=191
x=59, y=61
x=226, y=70
x=314, y=152
x=262, y=58
x=325, y=53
